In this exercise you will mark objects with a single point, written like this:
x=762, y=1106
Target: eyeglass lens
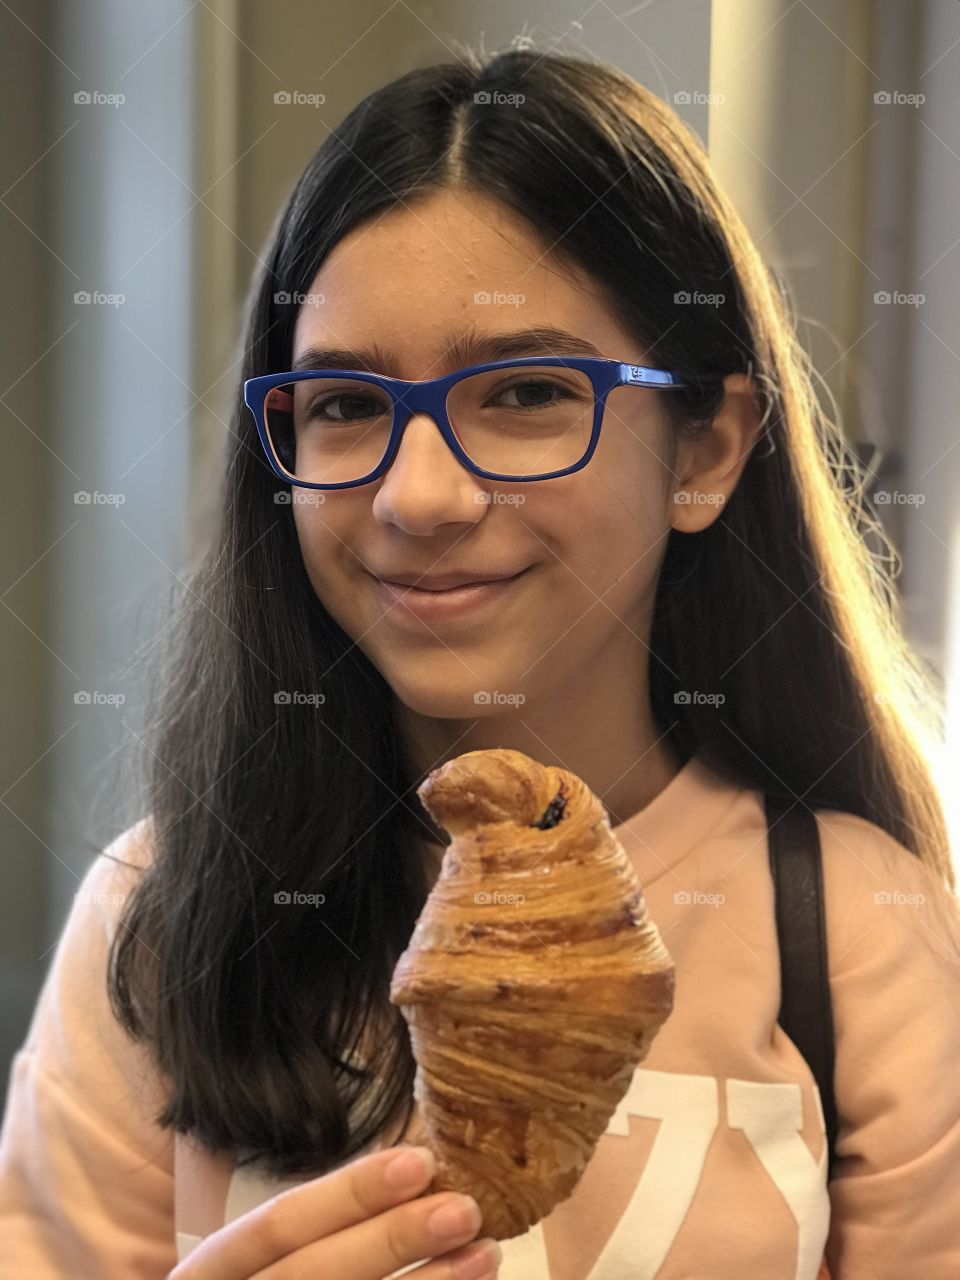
x=519, y=421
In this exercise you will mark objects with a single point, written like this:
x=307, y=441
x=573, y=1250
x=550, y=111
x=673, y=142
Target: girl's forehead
x=386, y=332
x=412, y=283
x=449, y=247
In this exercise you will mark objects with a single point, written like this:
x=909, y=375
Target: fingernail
x=481, y=1264
x=409, y=1167
x=456, y=1218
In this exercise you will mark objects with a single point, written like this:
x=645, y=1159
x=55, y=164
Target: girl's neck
x=596, y=721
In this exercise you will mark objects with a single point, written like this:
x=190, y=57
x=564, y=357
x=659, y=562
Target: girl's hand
x=361, y=1222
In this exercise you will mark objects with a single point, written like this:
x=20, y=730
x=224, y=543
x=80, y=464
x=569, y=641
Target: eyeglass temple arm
x=638, y=373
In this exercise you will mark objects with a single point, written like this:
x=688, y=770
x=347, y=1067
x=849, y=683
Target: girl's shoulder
x=116, y=869
x=134, y=845
x=879, y=895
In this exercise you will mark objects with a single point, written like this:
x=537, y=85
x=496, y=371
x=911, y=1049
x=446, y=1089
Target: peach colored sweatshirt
x=713, y=1166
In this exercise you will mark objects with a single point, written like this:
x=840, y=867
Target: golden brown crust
x=533, y=984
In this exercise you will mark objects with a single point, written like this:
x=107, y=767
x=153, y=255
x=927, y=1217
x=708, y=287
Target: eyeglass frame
x=429, y=396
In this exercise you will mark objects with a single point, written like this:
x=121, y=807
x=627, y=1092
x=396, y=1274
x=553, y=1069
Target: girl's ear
x=708, y=467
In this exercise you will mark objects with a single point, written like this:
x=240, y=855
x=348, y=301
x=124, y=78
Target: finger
x=303, y=1214
x=376, y=1248
x=479, y=1260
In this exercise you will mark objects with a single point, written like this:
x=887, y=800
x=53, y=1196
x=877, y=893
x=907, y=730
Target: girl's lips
x=440, y=606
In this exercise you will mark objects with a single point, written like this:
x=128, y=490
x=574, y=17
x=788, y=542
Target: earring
x=767, y=435
x=771, y=444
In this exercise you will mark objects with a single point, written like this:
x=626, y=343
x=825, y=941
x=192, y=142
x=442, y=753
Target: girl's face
x=589, y=545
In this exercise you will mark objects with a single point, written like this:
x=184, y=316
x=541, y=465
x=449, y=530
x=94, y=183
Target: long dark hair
x=254, y=1009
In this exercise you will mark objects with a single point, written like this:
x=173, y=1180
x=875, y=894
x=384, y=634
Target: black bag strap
x=806, y=1011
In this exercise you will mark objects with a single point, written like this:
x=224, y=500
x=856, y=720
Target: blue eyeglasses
x=511, y=420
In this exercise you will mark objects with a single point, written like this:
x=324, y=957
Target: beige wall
x=850, y=198
x=787, y=141
x=25, y=558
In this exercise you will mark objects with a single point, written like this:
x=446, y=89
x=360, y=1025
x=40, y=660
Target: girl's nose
x=425, y=485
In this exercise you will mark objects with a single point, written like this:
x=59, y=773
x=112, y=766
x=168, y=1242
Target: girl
x=682, y=609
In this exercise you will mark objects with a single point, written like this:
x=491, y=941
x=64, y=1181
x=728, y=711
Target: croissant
x=533, y=984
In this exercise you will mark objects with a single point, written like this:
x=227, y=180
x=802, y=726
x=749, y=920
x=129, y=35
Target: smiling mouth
x=446, y=604
x=442, y=591
x=439, y=582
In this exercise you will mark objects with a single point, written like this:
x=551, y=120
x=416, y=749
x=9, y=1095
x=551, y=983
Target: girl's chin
x=455, y=703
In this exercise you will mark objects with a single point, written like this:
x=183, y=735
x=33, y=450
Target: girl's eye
x=346, y=406
x=533, y=393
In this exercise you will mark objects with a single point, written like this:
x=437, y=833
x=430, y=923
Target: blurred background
x=146, y=150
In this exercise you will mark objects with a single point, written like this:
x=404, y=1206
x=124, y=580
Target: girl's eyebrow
x=467, y=348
